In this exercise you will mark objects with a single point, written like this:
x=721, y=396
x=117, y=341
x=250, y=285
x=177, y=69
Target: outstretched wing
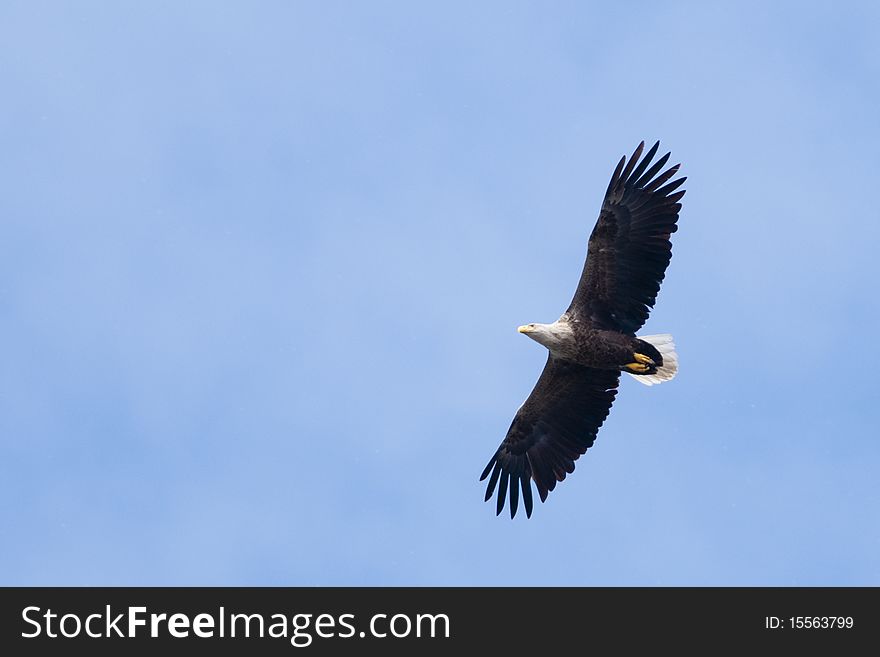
x=555, y=425
x=629, y=247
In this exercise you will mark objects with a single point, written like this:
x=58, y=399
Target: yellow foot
x=637, y=368
x=641, y=358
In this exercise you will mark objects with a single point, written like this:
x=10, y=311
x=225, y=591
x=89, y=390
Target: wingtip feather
x=527, y=495
x=502, y=493
x=514, y=498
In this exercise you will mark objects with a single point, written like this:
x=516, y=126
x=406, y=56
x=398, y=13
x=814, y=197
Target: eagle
x=595, y=339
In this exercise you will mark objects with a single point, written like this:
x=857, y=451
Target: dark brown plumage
x=629, y=250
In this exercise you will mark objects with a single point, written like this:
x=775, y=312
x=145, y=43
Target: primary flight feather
x=595, y=339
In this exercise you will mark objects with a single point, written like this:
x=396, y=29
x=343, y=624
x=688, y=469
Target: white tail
x=666, y=347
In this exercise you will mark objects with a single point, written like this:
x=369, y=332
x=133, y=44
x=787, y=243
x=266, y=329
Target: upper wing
x=555, y=425
x=629, y=247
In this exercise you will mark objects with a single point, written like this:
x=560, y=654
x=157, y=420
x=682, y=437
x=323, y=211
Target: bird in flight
x=595, y=339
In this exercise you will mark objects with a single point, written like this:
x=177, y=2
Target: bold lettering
x=154, y=623
x=134, y=621
x=203, y=626
x=178, y=625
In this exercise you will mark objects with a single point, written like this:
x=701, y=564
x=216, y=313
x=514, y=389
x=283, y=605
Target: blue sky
x=261, y=266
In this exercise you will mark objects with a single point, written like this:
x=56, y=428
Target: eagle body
x=595, y=339
x=581, y=343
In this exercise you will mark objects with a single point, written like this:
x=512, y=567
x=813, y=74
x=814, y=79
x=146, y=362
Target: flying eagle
x=595, y=339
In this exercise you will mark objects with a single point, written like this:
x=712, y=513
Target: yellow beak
x=524, y=329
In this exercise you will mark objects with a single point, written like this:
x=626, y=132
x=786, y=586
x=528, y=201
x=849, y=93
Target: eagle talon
x=641, y=358
x=637, y=368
